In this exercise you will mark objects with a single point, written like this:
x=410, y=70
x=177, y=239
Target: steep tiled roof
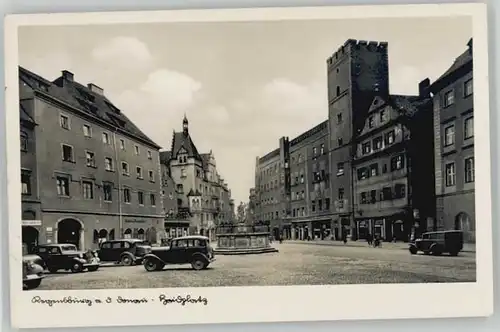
x=82, y=98
x=165, y=157
x=462, y=60
x=183, y=140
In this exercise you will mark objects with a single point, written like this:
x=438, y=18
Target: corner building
x=356, y=73
x=89, y=173
x=454, y=146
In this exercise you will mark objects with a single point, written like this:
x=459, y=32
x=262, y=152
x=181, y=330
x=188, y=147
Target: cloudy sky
x=242, y=85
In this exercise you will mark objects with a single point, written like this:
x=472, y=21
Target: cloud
x=123, y=52
x=48, y=65
x=218, y=114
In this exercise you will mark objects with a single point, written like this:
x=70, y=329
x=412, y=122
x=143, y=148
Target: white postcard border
x=259, y=304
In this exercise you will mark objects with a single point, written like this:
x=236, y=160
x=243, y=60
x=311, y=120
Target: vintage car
x=65, y=256
x=32, y=271
x=125, y=251
x=194, y=250
x=437, y=243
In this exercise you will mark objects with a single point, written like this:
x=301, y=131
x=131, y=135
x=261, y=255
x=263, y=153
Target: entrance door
x=30, y=238
x=68, y=231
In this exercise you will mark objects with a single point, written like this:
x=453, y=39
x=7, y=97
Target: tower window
x=338, y=90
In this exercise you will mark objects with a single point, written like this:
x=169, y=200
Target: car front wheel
x=198, y=264
x=413, y=250
x=76, y=267
x=127, y=260
x=151, y=265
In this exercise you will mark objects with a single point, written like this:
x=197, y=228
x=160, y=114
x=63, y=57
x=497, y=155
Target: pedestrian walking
x=369, y=239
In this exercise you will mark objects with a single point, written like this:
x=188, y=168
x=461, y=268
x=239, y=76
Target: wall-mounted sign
x=49, y=229
x=32, y=223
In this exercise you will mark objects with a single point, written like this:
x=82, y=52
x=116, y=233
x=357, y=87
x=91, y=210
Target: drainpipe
x=120, y=218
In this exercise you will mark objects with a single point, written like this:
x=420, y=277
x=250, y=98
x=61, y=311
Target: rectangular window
x=122, y=144
x=449, y=98
x=367, y=147
x=371, y=122
x=136, y=149
x=469, y=170
x=105, y=138
x=313, y=206
x=140, y=197
x=107, y=189
x=468, y=88
x=138, y=171
x=339, y=117
x=341, y=194
x=150, y=155
x=340, y=141
x=389, y=137
x=320, y=205
x=377, y=143
x=108, y=164
x=450, y=174
x=90, y=158
x=363, y=173
x=301, y=178
x=126, y=195
x=397, y=162
x=327, y=203
x=373, y=170
x=400, y=190
x=125, y=168
x=24, y=141
x=62, y=183
x=340, y=169
x=88, y=189
x=449, y=135
x=386, y=194
x=64, y=121
x=67, y=153
x=87, y=131
x=383, y=116
x=373, y=196
x=363, y=198
x=315, y=150
x=469, y=128
x=26, y=183
x=322, y=149
x=183, y=173
x=151, y=176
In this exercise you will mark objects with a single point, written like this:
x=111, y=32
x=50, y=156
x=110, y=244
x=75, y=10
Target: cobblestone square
x=294, y=264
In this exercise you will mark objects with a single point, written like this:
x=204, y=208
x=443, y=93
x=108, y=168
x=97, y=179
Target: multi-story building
x=356, y=73
x=202, y=196
x=89, y=173
x=454, y=146
x=394, y=167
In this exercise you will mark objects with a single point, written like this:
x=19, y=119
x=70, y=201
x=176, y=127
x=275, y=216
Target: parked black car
x=65, y=256
x=437, y=243
x=32, y=271
x=194, y=250
x=125, y=251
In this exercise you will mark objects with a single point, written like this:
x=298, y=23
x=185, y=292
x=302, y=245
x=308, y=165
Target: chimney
x=423, y=88
x=94, y=88
x=469, y=44
x=67, y=75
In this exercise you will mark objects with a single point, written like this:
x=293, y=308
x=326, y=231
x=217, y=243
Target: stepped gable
x=88, y=99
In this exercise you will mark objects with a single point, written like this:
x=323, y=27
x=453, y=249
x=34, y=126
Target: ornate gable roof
x=182, y=142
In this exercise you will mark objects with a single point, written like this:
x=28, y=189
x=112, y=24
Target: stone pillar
x=310, y=230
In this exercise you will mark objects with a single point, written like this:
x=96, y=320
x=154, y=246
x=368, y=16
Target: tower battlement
x=359, y=45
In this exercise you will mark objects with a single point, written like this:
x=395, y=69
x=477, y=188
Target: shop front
x=176, y=229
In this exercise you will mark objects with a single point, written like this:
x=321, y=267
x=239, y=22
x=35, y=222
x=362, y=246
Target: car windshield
x=68, y=248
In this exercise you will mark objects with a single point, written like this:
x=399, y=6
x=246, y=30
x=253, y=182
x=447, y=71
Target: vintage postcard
x=211, y=166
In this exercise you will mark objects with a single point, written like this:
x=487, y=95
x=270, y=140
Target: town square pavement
x=294, y=264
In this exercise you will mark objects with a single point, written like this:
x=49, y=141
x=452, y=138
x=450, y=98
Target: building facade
x=454, y=146
x=96, y=175
x=202, y=198
x=393, y=168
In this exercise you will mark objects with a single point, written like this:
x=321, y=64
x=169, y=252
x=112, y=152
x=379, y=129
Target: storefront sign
x=362, y=224
x=135, y=221
x=379, y=222
x=32, y=223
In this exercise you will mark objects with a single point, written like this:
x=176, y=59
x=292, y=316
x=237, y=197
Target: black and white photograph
x=214, y=153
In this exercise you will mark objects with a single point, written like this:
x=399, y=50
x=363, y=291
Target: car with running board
x=66, y=256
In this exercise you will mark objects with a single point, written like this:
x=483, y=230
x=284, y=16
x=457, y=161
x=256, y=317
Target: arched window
x=127, y=234
x=140, y=234
x=103, y=235
x=96, y=236
x=24, y=141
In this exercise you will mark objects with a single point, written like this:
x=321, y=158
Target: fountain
x=241, y=239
